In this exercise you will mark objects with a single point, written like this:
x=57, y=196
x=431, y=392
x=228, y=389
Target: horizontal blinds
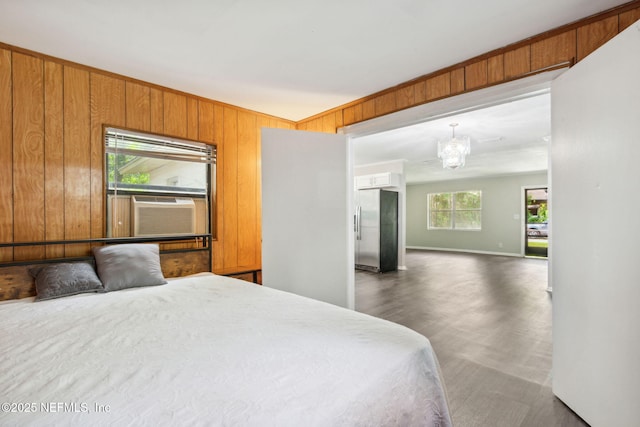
x=119, y=141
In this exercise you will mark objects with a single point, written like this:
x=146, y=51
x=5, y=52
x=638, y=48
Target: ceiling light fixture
x=453, y=151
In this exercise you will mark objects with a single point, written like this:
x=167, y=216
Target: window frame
x=452, y=211
x=209, y=194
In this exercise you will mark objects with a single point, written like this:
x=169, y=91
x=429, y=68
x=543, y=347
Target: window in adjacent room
x=461, y=210
x=157, y=185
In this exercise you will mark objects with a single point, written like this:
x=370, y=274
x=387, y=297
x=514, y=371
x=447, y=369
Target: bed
x=210, y=350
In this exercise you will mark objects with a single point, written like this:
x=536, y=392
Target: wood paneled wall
x=52, y=112
x=52, y=158
x=567, y=44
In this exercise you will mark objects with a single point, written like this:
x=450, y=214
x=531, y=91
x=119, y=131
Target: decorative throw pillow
x=128, y=266
x=64, y=279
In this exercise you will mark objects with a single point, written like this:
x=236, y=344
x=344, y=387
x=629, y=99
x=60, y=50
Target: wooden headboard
x=179, y=256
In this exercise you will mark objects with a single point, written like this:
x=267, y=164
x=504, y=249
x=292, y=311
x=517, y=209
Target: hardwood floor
x=489, y=321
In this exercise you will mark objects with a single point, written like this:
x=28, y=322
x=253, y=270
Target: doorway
x=536, y=227
x=501, y=146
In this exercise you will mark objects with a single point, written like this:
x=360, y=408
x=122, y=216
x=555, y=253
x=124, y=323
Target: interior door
x=595, y=269
x=307, y=218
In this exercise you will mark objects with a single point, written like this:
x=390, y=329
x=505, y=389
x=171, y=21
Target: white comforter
x=209, y=350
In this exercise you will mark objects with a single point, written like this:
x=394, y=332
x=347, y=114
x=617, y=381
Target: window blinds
x=119, y=141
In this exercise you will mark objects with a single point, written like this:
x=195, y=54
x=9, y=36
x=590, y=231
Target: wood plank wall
x=52, y=112
x=569, y=43
x=52, y=157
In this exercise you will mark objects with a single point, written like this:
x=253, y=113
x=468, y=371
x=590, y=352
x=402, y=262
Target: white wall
x=595, y=164
x=396, y=166
x=188, y=174
x=502, y=221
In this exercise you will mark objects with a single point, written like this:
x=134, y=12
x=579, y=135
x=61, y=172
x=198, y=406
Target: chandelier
x=452, y=152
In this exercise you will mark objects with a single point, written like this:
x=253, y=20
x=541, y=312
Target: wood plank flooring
x=489, y=321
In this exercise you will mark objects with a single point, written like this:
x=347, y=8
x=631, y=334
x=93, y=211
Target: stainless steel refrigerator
x=376, y=230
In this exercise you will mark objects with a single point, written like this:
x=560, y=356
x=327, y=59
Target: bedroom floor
x=489, y=321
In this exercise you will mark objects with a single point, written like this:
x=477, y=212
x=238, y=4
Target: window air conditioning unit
x=162, y=216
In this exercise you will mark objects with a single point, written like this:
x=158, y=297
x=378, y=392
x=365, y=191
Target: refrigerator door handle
x=357, y=222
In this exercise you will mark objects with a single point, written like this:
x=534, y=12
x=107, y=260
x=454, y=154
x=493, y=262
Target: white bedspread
x=209, y=350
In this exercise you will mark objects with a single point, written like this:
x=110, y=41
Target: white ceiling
x=289, y=58
x=294, y=59
x=510, y=138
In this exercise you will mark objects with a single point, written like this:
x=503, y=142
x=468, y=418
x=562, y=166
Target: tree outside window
x=460, y=210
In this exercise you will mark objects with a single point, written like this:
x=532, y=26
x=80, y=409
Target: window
x=156, y=183
x=461, y=210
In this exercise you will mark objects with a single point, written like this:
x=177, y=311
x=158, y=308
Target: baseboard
x=424, y=248
x=402, y=267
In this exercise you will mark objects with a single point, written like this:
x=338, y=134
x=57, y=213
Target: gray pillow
x=128, y=266
x=64, y=279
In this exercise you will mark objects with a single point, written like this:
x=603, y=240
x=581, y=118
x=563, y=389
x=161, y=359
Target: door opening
x=536, y=230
